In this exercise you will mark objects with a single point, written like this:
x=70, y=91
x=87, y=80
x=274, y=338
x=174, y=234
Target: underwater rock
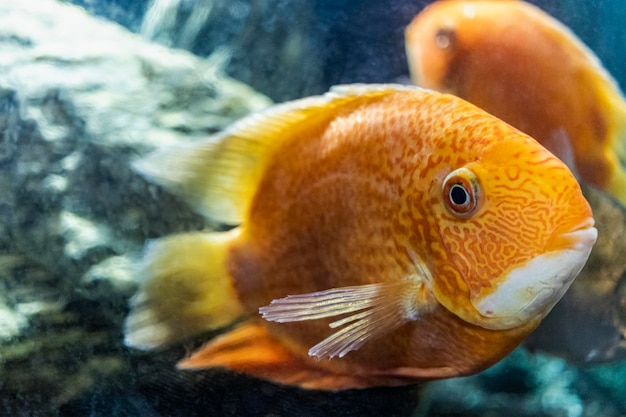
x=79, y=99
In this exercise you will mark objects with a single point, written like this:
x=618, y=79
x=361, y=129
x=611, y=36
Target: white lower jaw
x=533, y=289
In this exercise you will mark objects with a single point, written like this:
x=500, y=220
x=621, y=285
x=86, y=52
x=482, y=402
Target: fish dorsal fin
x=219, y=175
x=369, y=311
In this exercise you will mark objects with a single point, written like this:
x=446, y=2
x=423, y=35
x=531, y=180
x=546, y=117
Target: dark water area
x=82, y=97
x=349, y=40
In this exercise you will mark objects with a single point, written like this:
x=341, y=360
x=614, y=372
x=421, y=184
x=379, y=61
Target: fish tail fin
x=252, y=350
x=185, y=289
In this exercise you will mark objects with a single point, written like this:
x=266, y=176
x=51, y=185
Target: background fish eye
x=445, y=37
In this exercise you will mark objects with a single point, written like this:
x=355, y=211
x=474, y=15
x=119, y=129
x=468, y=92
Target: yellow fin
x=619, y=131
x=219, y=175
x=185, y=289
x=617, y=142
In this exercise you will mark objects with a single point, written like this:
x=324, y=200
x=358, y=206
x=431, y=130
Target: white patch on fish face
x=533, y=289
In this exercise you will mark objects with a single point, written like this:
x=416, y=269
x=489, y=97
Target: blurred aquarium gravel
x=82, y=96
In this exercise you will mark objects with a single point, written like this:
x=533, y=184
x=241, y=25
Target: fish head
x=441, y=40
x=515, y=229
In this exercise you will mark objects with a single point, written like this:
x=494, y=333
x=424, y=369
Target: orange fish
x=520, y=64
x=387, y=234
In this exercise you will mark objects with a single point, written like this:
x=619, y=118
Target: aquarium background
x=289, y=48
x=87, y=87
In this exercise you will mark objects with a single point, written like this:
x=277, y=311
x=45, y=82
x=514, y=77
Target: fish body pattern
x=386, y=234
x=520, y=64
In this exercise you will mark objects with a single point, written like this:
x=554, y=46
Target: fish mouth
x=565, y=237
x=531, y=290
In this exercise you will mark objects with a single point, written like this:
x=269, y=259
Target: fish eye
x=445, y=38
x=461, y=192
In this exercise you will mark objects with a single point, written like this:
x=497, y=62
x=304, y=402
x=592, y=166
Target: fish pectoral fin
x=369, y=312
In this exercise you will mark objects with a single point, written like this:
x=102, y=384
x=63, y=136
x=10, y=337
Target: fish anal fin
x=244, y=348
x=250, y=349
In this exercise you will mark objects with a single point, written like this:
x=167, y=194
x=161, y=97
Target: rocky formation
x=79, y=99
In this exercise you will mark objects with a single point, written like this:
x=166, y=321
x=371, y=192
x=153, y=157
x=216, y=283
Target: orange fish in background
x=388, y=234
x=520, y=64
